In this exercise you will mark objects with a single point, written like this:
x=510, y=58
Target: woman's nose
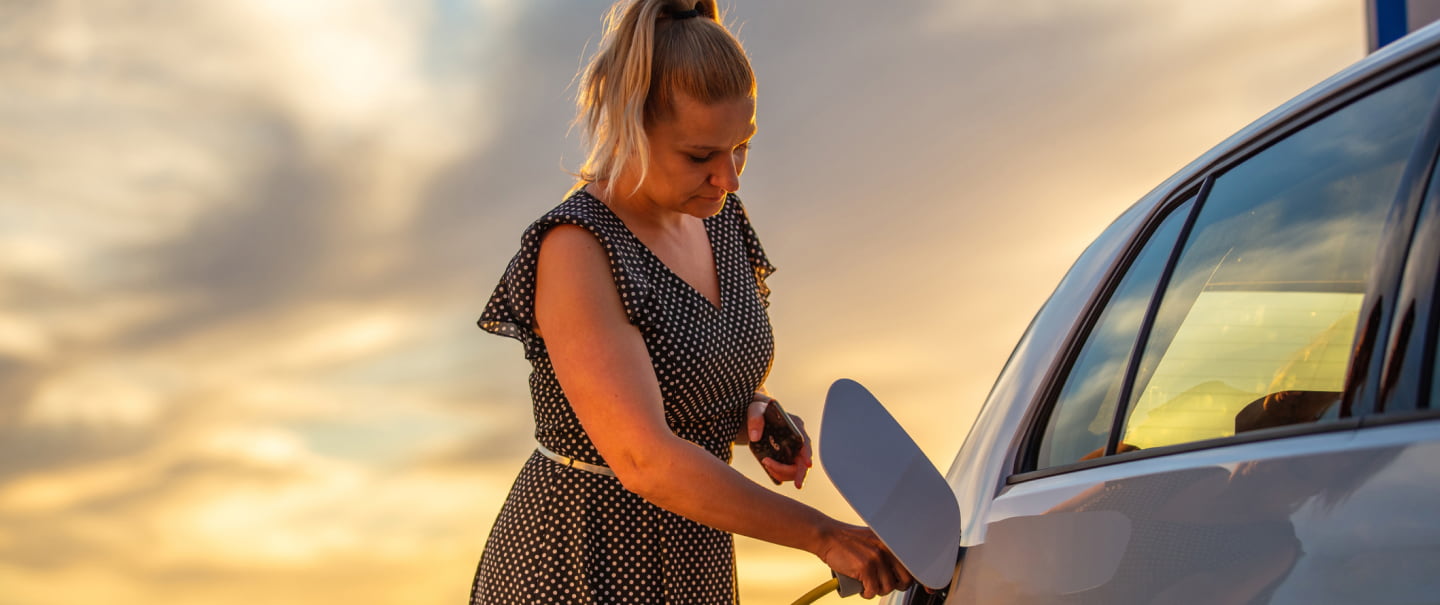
x=727, y=176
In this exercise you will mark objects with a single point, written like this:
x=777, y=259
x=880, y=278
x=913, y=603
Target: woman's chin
x=707, y=207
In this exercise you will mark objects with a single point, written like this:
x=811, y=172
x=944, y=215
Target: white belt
x=573, y=463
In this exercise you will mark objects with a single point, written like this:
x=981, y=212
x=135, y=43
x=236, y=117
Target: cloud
x=206, y=209
x=254, y=509
x=243, y=245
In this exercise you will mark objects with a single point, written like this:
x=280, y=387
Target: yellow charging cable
x=817, y=592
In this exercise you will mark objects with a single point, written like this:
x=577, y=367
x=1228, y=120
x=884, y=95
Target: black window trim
x=1039, y=409
x=1411, y=282
x=1142, y=338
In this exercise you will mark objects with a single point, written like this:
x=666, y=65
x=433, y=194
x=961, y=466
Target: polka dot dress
x=567, y=535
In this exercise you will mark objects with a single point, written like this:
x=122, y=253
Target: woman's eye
x=701, y=159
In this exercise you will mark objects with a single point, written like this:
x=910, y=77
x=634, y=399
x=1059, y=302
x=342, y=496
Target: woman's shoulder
x=581, y=209
x=578, y=207
x=739, y=220
x=734, y=205
x=734, y=212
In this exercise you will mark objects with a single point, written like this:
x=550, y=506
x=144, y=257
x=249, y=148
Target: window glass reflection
x=1256, y=325
x=1079, y=424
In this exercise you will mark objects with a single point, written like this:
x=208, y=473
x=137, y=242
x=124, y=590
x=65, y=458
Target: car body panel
x=1313, y=519
x=1340, y=513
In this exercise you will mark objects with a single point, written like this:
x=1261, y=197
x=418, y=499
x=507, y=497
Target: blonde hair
x=649, y=55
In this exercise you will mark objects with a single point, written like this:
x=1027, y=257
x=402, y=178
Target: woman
x=641, y=303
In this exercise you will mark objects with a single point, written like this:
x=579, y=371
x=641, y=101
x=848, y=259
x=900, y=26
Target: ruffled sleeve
x=756, y=253
x=511, y=309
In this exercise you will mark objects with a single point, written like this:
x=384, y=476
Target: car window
x=1081, y=419
x=1255, y=326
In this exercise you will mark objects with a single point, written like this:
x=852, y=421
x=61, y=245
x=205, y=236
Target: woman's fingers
x=879, y=583
x=755, y=418
x=906, y=579
x=755, y=426
x=859, y=553
x=887, y=579
x=890, y=574
x=900, y=576
x=786, y=472
x=805, y=456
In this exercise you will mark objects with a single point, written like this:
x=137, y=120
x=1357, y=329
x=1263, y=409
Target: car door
x=1238, y=423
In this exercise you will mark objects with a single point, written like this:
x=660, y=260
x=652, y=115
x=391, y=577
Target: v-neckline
x=717, y=306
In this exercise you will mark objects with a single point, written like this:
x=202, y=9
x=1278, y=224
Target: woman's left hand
x=755, y=423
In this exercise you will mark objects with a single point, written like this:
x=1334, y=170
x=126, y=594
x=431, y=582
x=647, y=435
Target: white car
x=1230, y=397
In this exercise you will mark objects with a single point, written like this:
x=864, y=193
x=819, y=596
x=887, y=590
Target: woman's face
x=697, y=153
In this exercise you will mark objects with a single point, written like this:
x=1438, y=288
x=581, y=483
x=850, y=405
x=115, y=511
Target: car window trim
x=1412, y=339
x=1029, y=446
x=1157, y=296
x=1270, y=434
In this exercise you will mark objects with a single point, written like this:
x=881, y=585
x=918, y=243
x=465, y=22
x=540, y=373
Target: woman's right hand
x=856, y=551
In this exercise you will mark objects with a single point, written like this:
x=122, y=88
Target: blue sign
x=1388, y=21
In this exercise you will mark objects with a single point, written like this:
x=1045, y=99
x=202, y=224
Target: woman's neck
x=640, y=214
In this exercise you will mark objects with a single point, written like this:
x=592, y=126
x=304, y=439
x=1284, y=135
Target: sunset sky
x=243, y=245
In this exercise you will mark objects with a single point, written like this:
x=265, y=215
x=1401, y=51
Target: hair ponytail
x=651, y=51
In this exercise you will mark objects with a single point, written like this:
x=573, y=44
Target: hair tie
x=678, y=15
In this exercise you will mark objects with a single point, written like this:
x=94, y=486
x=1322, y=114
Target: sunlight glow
x=243, y=244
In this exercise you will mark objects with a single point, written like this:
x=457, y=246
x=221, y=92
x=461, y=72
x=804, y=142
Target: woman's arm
x=602, y=364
